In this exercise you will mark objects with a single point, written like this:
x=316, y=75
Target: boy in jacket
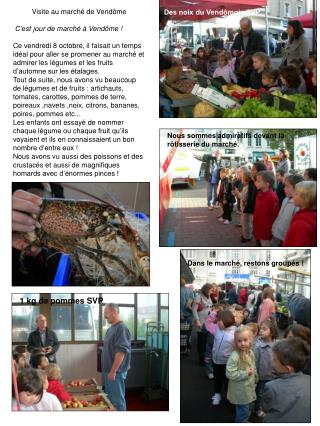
x=266, y=209
x=287, y=399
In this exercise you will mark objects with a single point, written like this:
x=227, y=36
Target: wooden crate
x=89, y=398
x=91, y=385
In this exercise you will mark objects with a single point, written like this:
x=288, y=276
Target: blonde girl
x=242, y=374
x=260, y=63
x=302, y=231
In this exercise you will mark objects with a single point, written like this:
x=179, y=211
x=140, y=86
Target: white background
x=141, y=24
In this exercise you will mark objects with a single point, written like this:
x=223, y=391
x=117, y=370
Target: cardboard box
x=89, y=398
x=90, y=385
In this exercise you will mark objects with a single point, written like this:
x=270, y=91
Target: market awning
x=200, y=10
x=306, y=19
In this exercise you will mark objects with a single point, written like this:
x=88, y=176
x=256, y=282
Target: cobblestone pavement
x=189, y=223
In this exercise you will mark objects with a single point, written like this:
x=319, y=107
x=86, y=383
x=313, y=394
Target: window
x=287, y=10
x=212, y=254
x=127, y=316
x=164, y=318
x=235, y=255
x=249, y=142
x=61, y=322
x=258, y=142
x=86, y=322
x=164, y=299
x=23, y=322
x=268, y=255
x=299, y=10
x=253, y=256
x=235, y=270
x=147, y=312
x=190, y=254
x=125, y=298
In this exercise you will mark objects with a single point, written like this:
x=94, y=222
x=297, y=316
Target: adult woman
x=201, y=308
x=267, y=307
x=297, y=47
x=268, y=163
x=284, y=163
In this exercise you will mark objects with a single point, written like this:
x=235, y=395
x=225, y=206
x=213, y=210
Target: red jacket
x=302, y=231
x=265, y=212
x=57, y=389
x=243, y=296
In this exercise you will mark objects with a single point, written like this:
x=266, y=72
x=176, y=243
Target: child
x=224, y=70
x=302, y=231
x=300, y=331
x=263, y=359
x=49, y=402
x=30, y=389
x=246, y=315
x=244, y=71
x=186, y=59
x=210, y=327
x=290, y=80
x=299, y=64
x=254, y=328
x=260, y=62
x=310, y=174
x=19, y=361
x=201, y=61
x=225, y=196
x=280, y=186
x=269, y=80
x=314, y=81
x=55, y=386
x=212, y=63
x=311, y=65
x=242, y=374
x=245, y=218
x=288, y=209
x=222, y=348
x=267, y=306
x=39, y=361
x=266, y=209
x=287, y=399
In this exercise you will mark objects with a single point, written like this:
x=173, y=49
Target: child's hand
x=250, y=371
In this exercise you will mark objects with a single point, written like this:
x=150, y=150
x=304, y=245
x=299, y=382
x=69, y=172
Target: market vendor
x=248, y=41
x=44, y=339
x=116, y=355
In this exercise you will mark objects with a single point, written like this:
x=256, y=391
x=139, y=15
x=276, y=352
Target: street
x=196, y=391
x=189, y=223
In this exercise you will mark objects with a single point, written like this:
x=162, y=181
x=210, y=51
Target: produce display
x=82, y=385
x=205, y=110
x=282, y=308
x=95, y=402
x=183, y=86
x=305, y=107
x=239, y=92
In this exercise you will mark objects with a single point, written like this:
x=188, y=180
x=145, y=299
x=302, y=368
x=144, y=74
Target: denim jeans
x=116, y=389
x=242, y=413
x=211, y=193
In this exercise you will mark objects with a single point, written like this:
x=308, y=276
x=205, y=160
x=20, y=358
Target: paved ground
x=189, y=223
x=196, y=391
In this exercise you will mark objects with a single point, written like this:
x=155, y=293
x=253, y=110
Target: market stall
x=196, y=95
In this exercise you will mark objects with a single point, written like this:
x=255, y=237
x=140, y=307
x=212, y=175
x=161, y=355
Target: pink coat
x=266, y=310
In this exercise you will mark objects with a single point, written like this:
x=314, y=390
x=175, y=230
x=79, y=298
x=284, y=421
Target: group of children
x=264, y=378
x=276, y=209
x=255, y=71
x=39, y=386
